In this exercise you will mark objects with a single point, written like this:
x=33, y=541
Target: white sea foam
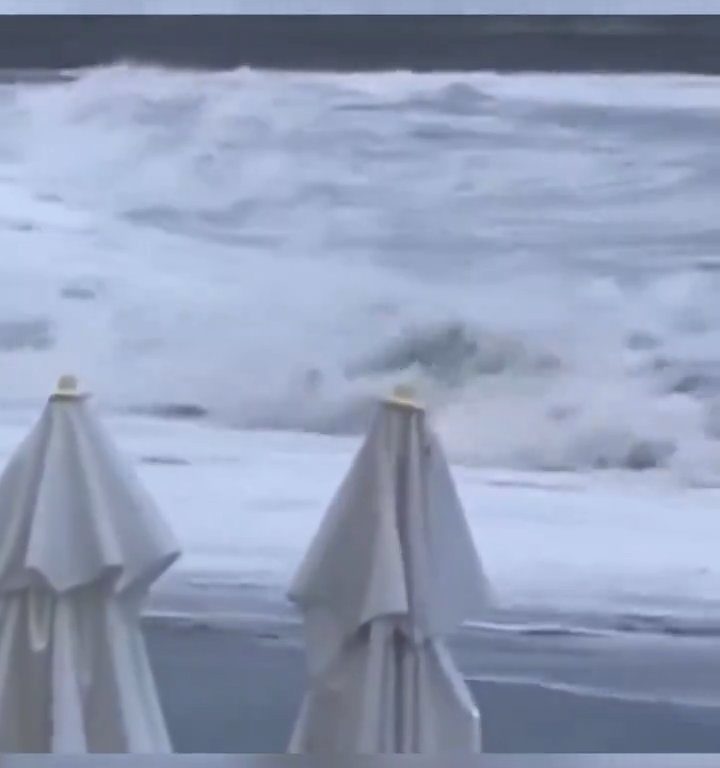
x=602, y=555
x=537, y=253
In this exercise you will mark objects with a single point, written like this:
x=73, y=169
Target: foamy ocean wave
x=538, y=254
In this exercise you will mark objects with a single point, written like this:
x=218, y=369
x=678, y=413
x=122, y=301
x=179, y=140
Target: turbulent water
x=539, y=254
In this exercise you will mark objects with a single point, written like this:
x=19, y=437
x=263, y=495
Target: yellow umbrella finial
x=67, y=388
x=403, y=396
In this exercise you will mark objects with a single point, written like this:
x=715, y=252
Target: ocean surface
x=361, y=6
x=537, y=254
x=238, y=264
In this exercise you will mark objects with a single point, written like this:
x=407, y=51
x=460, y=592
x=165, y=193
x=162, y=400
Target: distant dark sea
x=365, y=43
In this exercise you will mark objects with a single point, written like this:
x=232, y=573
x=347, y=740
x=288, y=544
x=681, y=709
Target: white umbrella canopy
x=80, y=545
x=391, y=572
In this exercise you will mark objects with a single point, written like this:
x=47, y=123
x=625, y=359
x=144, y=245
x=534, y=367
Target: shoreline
x=515, y=43
x=240, y=691
x=641, y=666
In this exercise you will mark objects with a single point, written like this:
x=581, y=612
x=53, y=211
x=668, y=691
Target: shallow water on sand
x=240, y=691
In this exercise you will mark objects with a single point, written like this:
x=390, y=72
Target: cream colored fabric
x=80, y=544
x=392, y=570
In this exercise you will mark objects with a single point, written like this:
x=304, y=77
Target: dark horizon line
x=617, y=43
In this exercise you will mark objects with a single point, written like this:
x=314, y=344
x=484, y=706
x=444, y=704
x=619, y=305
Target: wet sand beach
x=238, y=690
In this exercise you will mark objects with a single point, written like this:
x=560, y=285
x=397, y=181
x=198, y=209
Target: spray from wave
x=536, y=253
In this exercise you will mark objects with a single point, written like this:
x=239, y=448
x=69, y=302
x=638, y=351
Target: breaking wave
x=537, y=254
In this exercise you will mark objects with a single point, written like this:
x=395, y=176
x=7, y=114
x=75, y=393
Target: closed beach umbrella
x=391, y=572
x=80, y=544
